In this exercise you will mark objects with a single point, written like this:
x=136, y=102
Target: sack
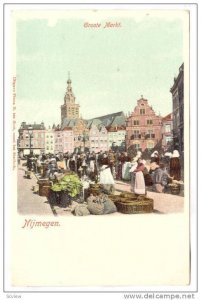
x=109, y=207
x=81, y=210
x=95, y=208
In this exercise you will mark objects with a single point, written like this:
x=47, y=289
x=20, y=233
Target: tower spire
x=69, y=109
x=69, y=80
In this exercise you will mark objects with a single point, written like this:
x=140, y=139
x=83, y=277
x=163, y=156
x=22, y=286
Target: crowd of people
x=109, y=166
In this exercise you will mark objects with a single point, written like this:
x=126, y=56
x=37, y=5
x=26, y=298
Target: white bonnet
x=175, y=153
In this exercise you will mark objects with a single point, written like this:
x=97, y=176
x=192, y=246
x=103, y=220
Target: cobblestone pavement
x=31, y=203
x=28, y=201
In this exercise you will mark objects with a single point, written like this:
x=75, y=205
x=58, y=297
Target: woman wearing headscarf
x=160, y=179
x=155, y=157
x=175, y=166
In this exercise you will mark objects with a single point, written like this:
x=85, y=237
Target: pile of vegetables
x=70, y=184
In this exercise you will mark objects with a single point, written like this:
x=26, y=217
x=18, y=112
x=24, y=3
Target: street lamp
x=83, y=138
x=30, y=132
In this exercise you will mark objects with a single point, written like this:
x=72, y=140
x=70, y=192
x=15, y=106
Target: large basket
x=94, y=185
x=135, y=207
x=94, y=189
x=128, y=196
x=114, y=198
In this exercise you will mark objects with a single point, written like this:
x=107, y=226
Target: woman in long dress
x=106, y=178
x=138, y=184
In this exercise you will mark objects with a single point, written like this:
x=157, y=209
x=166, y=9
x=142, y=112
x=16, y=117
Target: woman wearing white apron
x=138, y=183
x=106, y=178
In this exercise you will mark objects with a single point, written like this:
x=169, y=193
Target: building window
x=168, y=139
x=136, y=134
x=149, y=122
x=167, y=128
x=136, y=122
x=137, y=146
x=150, y=145
x=150, y=134
x=142, y=111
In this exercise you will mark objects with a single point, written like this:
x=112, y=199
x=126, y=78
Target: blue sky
x=110, y=67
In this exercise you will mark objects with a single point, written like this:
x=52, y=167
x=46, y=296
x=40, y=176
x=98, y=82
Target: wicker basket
x=129, y=196
x=94, y=191
x=175, y=189
x=114, y=198
x=135, y=207
x=94, y=185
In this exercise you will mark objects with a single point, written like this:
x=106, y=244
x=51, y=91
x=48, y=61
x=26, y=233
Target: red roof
x=168, y=117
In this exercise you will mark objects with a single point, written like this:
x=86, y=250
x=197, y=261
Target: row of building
x=93, y=136
x=142, y=129
x=80, y=136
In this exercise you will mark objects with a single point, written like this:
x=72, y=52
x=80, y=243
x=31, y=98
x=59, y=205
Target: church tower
x=69, y=109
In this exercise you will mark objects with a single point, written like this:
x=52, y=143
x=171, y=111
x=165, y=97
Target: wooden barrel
x=44, y=190
x=44, y=187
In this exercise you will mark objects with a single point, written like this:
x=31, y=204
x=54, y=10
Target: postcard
x=97, y=126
